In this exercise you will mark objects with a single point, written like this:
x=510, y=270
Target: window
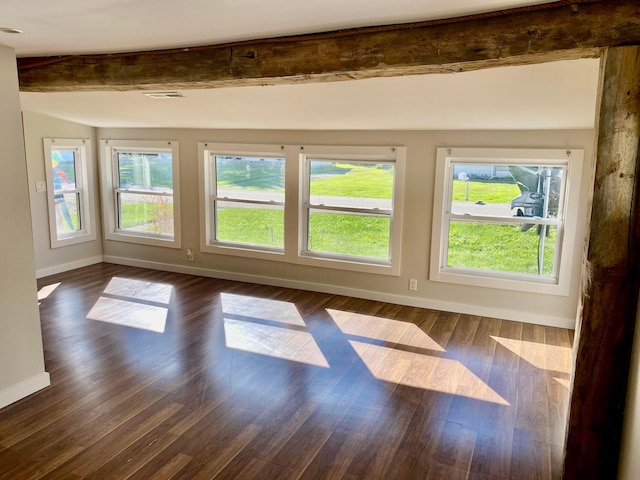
x=68, y=172
x=505, y=218
x=351, y=207
x=141, y=198
x=243, y=196
x=337, y=207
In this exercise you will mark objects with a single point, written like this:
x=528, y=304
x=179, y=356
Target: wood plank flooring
x=163, y=376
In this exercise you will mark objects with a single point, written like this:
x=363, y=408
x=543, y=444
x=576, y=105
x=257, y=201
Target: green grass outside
x=153, y=217
x=352, y=180
x=485, y=191
x=263, y=175
x=342, y=179
x=500, y=247
x=349, y=235
x=62, y=225
x=254, y=226
x=329, y=232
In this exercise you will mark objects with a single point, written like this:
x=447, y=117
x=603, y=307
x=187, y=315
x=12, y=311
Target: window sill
x=120, y=236
x=518, y=283
x=386, y=268
x=73, y=239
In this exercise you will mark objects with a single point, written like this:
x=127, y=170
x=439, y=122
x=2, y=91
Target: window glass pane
x=145, y=171
x=251, y=178
x=506, y=190
x=250, y=224
x=349, y=234
x=521, y=248
x=351, y=184
x=67, y=213
x=63, y=164
x=146, y=213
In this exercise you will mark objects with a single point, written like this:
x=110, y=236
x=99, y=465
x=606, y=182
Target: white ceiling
x=100, y=26
x=553, y=95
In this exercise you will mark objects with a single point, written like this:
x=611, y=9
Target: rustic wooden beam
x=605, y=329
x=560, y=30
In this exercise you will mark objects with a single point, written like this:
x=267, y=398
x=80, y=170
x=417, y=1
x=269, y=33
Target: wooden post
x=605, y=329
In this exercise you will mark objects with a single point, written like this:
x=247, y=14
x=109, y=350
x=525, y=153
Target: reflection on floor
x=185, y=377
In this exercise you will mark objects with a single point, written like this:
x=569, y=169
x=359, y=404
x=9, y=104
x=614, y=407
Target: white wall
x=629, y=468
x=53, y=260
x=21, y=356
x=419, y=185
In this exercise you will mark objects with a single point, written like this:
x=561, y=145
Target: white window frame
x=110, y=191
x=392, y=154
x=83, y=176
x=566, y=223
x=209, y=195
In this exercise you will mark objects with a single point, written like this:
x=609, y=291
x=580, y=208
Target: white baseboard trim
x=24, y=389
x=65, y=267
x=506, y=314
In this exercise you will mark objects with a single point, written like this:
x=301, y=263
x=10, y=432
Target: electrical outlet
x=190, y=255
x=413, y=284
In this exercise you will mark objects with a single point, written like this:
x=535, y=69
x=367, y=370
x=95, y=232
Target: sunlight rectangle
x=424, y=371
x=378, y=328
x=140, y=290
x=261, y=309
x=565, y=382
x=47, y=290
x=542, y=356
x=129, y=314
x=276, y=342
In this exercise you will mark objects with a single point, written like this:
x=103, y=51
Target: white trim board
x=65, y=267
x=24, y=389
x=506, y=314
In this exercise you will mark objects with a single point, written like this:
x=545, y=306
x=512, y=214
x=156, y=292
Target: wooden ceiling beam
x=556, y=31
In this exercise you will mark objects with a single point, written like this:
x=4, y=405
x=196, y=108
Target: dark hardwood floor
x=159, y=375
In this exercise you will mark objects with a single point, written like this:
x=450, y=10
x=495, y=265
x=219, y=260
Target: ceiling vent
x=164, y=94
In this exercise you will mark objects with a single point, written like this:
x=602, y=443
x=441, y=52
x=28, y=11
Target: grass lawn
x=498, y=247
x=153, y=217
x=485, y=191
x=349, y=235
x=267, y=174
x=256, y=226
x=354, y=180
x=328, y=232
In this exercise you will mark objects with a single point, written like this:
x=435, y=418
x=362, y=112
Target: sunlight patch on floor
x=133, y=303
x=378, y=328
x=288, y=344
x=47, y=290
x=261, y=309
x=129, y=314
x=565, y=382
x=424, y=371
x=140, y=290
x=544, y=357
